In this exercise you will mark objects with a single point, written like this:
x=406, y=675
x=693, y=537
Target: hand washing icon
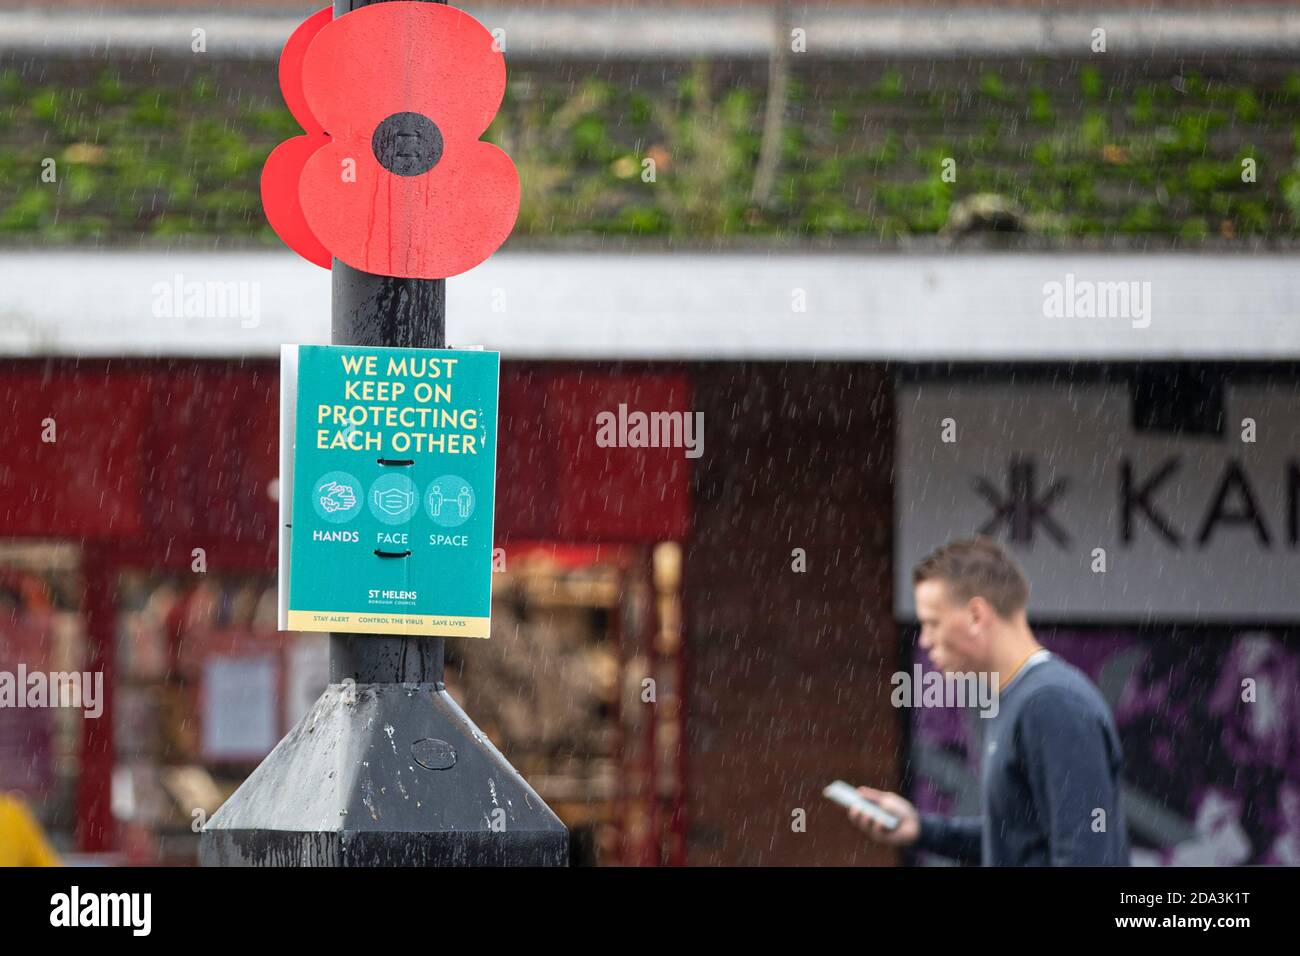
x=336, y=497
x=394, y=501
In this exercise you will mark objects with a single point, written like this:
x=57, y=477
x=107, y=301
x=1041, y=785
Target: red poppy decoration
x=400, y=184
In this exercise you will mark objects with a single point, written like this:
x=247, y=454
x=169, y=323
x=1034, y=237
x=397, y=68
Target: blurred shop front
x=685, y=651
x=139, y=507
x=1155, y=510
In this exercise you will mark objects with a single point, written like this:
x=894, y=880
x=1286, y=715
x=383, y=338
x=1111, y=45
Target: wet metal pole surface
x=406, y=313
x=403, y=313
x=400, y=313
x=386, y=769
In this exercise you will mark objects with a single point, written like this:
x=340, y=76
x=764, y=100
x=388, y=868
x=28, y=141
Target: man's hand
x=909, y=823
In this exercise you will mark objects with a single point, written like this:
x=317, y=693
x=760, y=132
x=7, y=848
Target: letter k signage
x=1118, y=520
x=1021, y=508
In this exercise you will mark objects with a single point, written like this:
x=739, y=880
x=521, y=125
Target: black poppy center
x=407, y=144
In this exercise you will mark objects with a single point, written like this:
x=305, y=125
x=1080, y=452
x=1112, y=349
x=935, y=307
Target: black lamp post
x=386, y=769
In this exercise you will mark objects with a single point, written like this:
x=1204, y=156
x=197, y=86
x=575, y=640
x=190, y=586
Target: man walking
x=1050, y=766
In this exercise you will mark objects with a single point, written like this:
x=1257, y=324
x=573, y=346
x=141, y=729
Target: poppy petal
x=291, y=57
x=398, y=57
x=280, y=197
x=432, y=226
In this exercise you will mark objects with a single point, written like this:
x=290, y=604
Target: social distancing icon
x=449, y=501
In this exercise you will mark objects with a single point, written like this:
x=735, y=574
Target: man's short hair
x=977, y=567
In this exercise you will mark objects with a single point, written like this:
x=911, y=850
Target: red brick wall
x=789, y=672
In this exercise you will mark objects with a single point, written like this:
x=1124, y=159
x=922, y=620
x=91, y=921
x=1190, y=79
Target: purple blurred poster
x=1210, y=725
x=26, y=734
x=26, y=764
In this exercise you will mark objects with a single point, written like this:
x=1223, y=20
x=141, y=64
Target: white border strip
x=288, y=429
x=676, y=32
x=654, y=305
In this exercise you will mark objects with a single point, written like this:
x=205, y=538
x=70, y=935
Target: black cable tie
x=397, y=461
x=392, y=554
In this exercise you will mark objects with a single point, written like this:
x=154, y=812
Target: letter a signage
x=388, y=472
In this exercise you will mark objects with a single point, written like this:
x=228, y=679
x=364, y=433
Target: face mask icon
x=394, y=501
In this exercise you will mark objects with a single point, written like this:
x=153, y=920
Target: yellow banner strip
x=411, y=625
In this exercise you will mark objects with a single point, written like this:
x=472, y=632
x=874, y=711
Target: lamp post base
x=385, y=775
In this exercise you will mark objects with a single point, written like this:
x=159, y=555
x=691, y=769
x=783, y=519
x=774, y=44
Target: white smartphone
x=847, y=795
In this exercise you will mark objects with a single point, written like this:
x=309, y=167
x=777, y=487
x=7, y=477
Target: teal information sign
x=394, y=478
